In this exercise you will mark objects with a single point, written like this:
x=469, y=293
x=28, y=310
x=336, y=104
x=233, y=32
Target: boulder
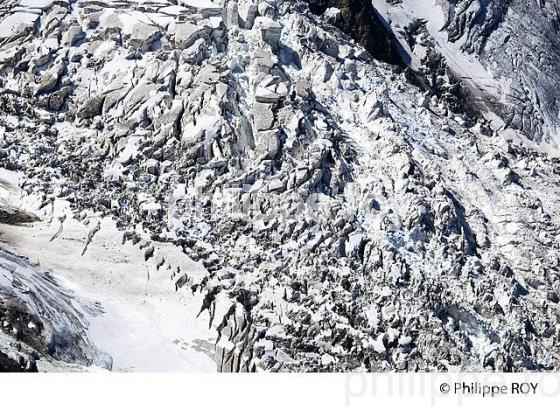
x=48, y=81
x=143, y=36
x=269, y=31
x=263, y=116
x=276, y=185
x=270, y=89
x=91, y=107
x=231, y=14
x=72, y=36
x=262, y=60
x=151, y=166
x=187, y=33
x=247, y=14
x=267, y=144
x=206, y=8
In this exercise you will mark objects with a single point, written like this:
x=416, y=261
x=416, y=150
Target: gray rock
x=231, y=14
x=270, y=89
x=247, y=14
x=139, y=95
x=269, y=30
x=187, y=33
x=152, y=166
x=14, y=216
x=262, y=60
x=57, y=99
x=73, y=35
x=49, y=80
x=143, y=36
x=265, y=9
x=263, y=116
x=205, y=9
x=267, y=144
x=276, y=185
x=91, y=107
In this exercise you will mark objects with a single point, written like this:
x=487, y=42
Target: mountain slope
x=504, y=51
x=347, y=216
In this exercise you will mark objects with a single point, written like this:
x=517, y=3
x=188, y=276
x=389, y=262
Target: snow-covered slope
x=105, y=306
x=347, y=216
x=504, y=52
x=38, y=312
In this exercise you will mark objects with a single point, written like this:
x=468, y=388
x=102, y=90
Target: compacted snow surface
x=139, y=320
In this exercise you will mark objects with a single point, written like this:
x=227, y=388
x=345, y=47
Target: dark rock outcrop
x=360, y=20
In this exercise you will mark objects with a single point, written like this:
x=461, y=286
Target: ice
x=16, y=23
x=345, y=214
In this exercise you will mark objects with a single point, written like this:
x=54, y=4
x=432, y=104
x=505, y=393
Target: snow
x=466, y=66
x=130, y=150
x=199, y=4
x=16, y=22
x=145, y=325
x=45, y=296
x=206, y=126
x=123, y=20
x=373, y=316
x=37, y=4
x=114, y=172
x=173, y=10
x=378, y=345
x=377, y=139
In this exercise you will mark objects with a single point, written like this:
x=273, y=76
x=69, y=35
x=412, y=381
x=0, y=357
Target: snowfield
x=134, y=314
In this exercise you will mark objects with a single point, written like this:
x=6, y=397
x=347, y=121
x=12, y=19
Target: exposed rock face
x=346, y=218
x=39, y=319
x=8, y=364
x=361, y=21
x=518, y=40
x=13, y=216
